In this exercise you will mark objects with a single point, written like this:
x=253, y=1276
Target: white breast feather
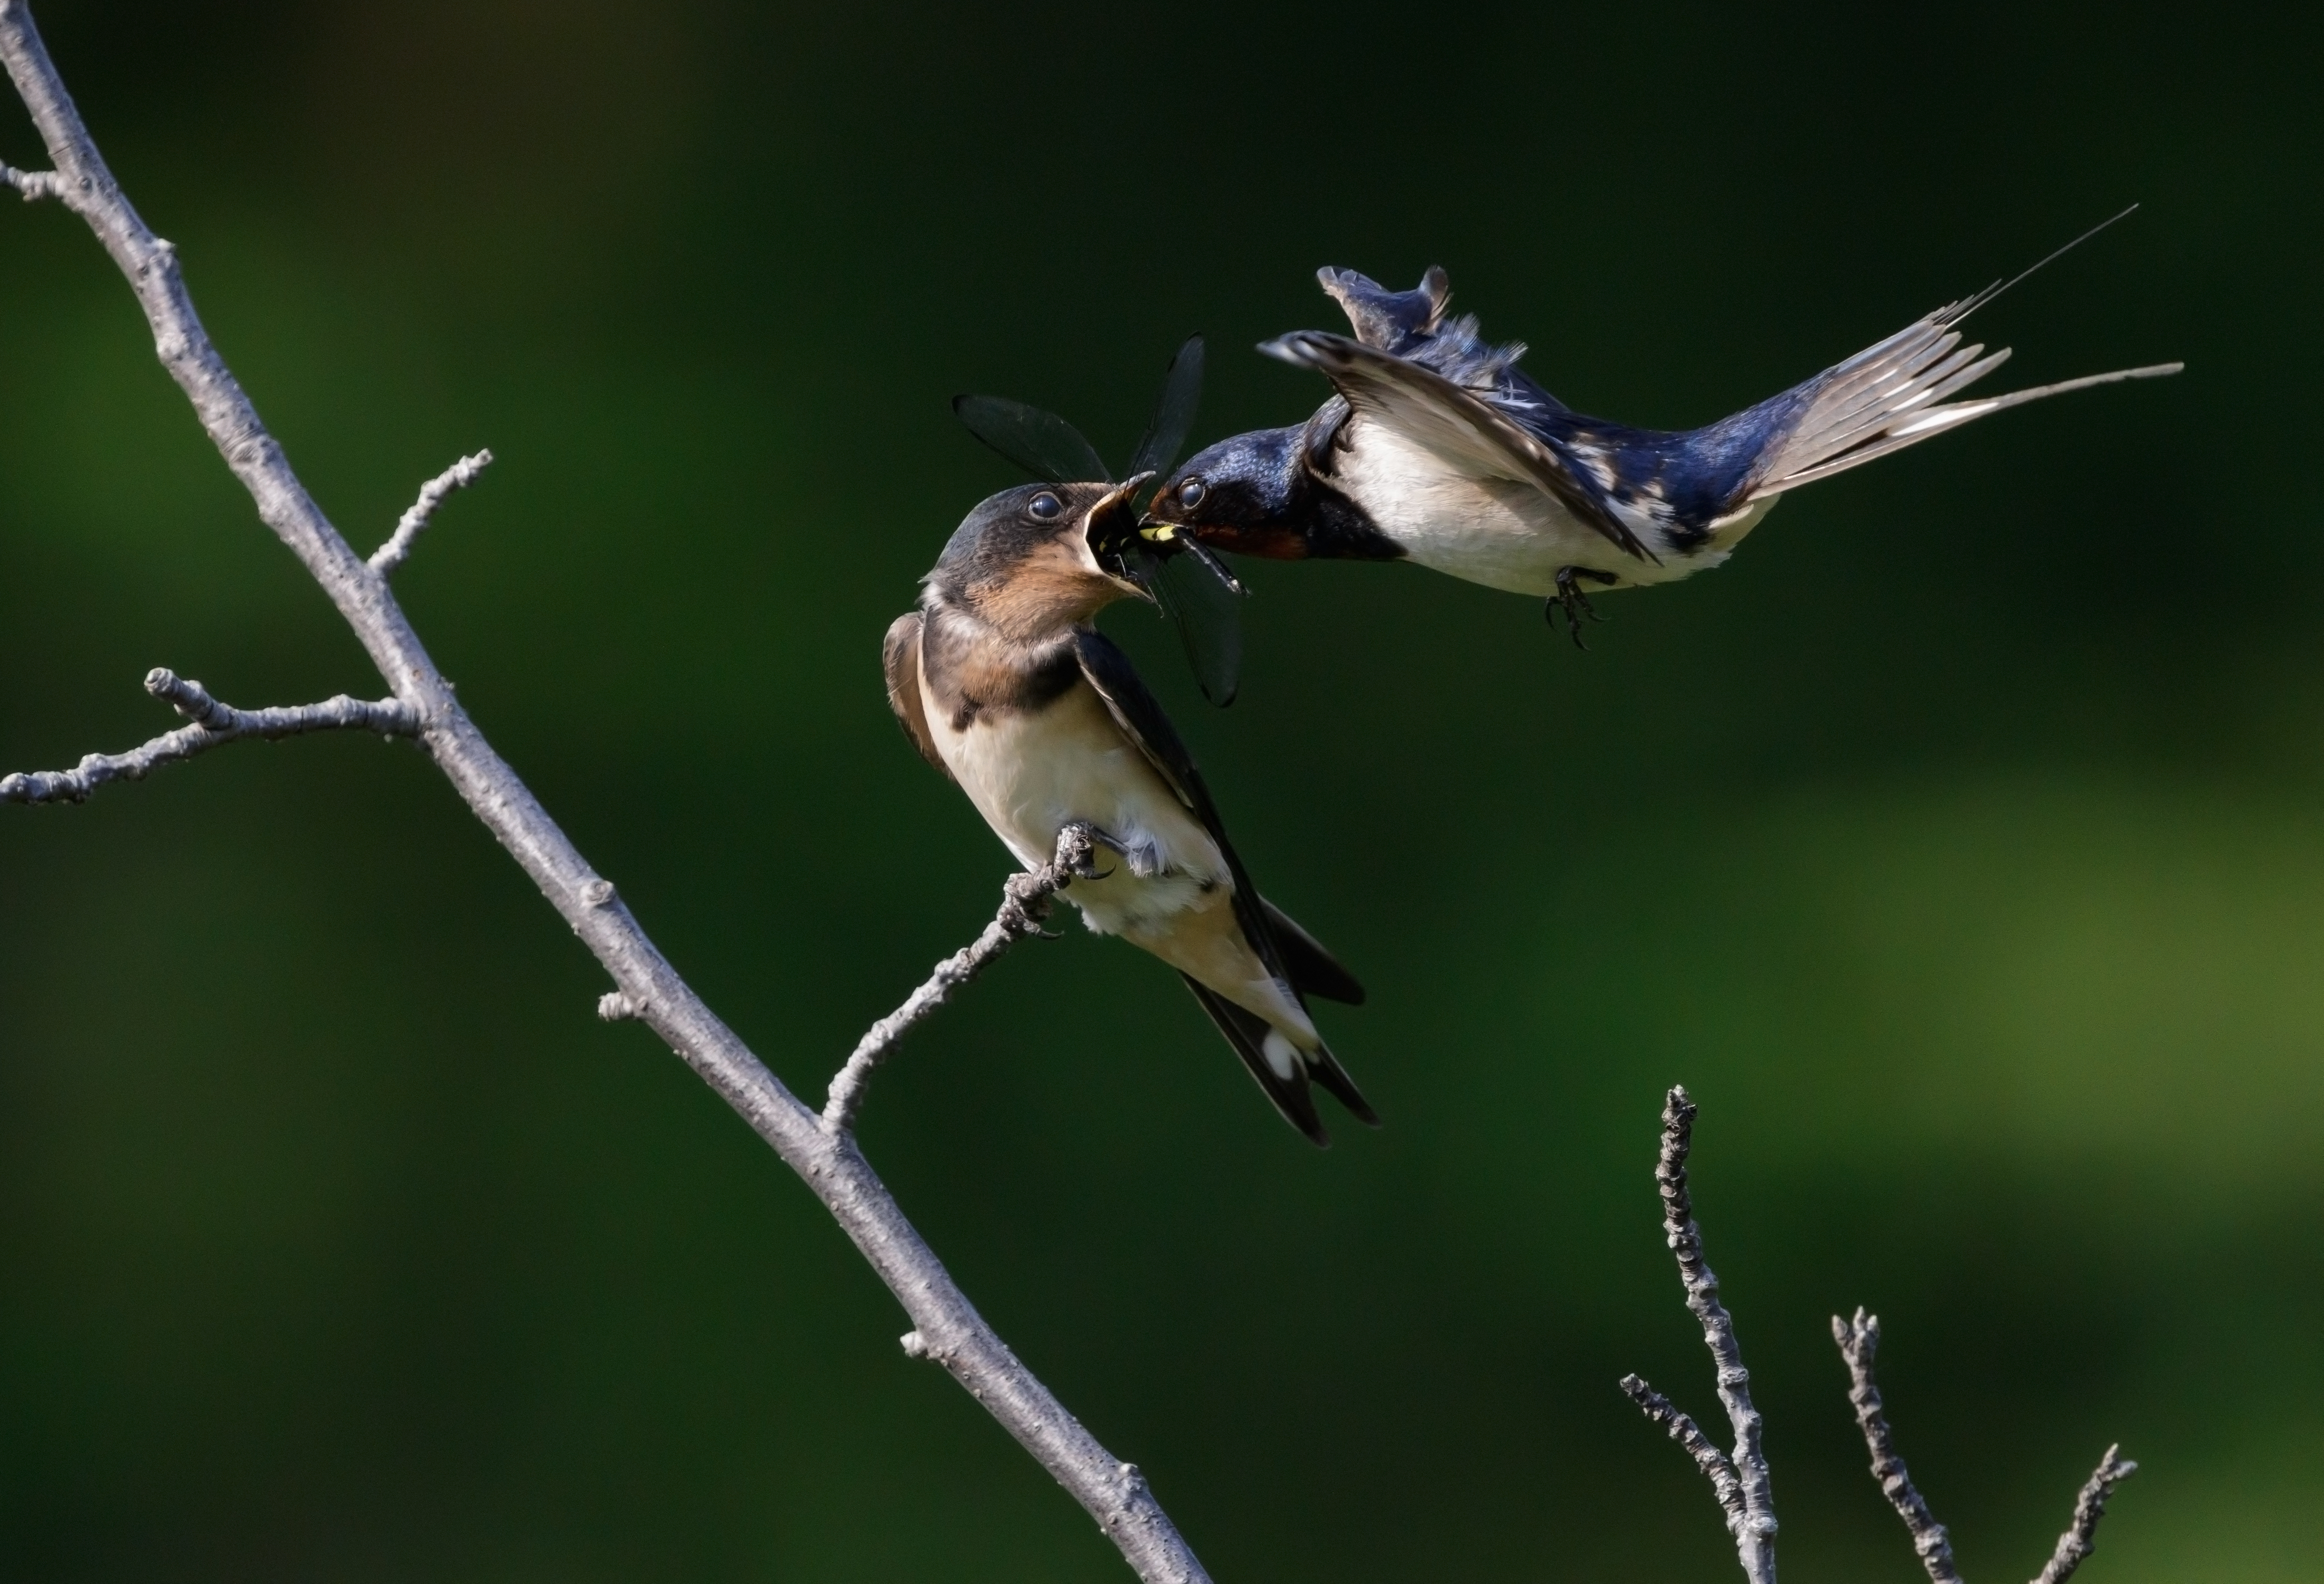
x=1502, y=532
x=1032, y=774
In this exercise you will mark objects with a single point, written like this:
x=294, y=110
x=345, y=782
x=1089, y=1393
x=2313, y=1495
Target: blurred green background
x=1962, y=844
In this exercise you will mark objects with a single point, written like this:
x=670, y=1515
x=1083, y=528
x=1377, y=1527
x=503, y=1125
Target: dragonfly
x=1185, y=577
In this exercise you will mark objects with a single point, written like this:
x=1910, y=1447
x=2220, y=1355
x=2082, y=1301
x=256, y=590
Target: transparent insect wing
x=1041, y=443
x=1174, y=412
x=1205, y=603
x=1192, y=586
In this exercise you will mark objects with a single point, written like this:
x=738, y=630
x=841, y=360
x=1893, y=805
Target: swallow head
x=1041, y=558
x=1245, y=495
x=1263, y=494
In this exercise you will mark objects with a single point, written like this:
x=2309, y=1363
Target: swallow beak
x=1153, y=528
x=1113, y=534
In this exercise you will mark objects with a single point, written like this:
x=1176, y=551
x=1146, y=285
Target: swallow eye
x=1190, y=493
x=1045, y=507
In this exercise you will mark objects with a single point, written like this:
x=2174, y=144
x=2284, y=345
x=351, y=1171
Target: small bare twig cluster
x=1739, y=1482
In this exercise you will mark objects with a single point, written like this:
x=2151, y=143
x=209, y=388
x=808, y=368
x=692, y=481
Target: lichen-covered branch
x=952, y=1330
x=414, y=522
x=1750, y=1509
x=1859, y=1340
x=214, y=724
x=1024, y=906
x=2080, y=1537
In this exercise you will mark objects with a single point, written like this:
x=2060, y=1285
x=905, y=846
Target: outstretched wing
x=900, y=654
x=1456, y=424
x=1390, y=320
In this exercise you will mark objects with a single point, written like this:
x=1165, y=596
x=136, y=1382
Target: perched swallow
x=1438, y=449
x=1003, y=683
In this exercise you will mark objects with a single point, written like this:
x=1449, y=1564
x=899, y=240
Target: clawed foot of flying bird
x=1571, y=603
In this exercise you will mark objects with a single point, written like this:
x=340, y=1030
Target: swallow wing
x=1290, y=953
x=1390, y=320
x=1314, y=971
x=1454, y=423
x=900, y=654
x=1892, y=394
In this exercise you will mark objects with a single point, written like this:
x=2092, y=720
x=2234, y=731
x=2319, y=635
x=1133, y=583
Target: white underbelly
x=1169, y=890
x=1032, y=773
x=1501, y=533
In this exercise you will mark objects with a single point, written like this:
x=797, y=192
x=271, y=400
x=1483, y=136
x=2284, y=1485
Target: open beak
x=1114, y=536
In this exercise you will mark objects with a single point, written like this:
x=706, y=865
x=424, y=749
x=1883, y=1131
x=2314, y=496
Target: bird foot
x=1571, y=603
x=1077, y=849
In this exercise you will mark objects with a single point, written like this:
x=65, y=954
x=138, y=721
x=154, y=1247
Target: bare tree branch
x=214, y=724
x=1750, y=1508
x=1024, y=906
x=33, y=184
x=409, y=527
x=1741, y=1484
x=2080, y=1537
x=1716, y=1466
x=1858, y=1340
x=950, y=1329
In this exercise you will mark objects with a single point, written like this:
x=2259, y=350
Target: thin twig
x=2080, y=1537
x=1751, y=1517
x=1859, y=1340
x=214, y=724
x=1112, y=1491
x=1025, y=902
x=33, y=184
x=409, y=527
x=1716, y=1466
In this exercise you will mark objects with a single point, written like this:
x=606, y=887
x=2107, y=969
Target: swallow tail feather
x=1281, y=1068
x=1893, y=395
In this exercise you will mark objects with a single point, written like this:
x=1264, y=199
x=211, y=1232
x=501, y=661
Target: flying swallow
x=1002, y=682
x=1438, y=449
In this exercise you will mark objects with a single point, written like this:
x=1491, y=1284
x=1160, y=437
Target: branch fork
x=1025, y=902
x=1740, y=1483
x=215, y=723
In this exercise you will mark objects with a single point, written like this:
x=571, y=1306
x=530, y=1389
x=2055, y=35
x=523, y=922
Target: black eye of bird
x=1045, y=507
x=1190, y=493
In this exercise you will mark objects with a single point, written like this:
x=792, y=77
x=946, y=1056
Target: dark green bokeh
x=1959, y=844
